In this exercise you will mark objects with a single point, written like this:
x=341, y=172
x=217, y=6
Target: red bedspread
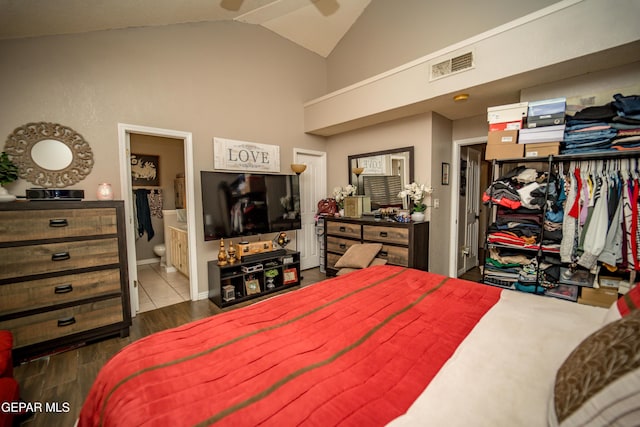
x=353, y=350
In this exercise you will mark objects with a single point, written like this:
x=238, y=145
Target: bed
x=385, y=345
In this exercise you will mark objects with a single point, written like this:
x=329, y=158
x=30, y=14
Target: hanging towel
x=143, y=214
x=155, y=203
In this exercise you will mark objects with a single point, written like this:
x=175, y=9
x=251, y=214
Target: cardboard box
x=547, y=108
x=542, y=149
x=503, y=145
x=609, y=281
x=507, y=113
x=600, y=297
x=542, y=134
x=505, y=126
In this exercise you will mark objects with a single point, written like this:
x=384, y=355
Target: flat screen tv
x=244, y=204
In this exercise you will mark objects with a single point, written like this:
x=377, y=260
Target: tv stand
x=248, y=279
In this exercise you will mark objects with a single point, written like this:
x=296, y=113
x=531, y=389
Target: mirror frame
x=381, y=153
x=20, y=143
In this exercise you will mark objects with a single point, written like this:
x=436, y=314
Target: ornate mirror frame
x=20, y=145
x=357, y=160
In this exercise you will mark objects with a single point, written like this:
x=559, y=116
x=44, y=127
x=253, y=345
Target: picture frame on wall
x=145, y=170
x=446, y=168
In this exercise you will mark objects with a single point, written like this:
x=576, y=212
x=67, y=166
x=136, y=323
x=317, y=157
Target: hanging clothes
x=155, y=202
x=143, y=213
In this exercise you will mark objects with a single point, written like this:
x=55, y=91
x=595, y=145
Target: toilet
x=160, y=250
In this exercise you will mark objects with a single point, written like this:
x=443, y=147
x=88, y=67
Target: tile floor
x=158, y=288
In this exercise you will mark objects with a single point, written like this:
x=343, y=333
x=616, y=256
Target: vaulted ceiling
x=317, y=25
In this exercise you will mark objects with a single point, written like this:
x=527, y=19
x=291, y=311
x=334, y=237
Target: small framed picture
x=290, y=276
x=445, y=173
x=252, y=286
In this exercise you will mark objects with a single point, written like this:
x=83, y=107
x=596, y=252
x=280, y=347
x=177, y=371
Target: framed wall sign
x=229, y=154
x=145, y=170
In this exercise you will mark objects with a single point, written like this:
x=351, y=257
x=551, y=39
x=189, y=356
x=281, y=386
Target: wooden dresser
x=405, y=244
x=63, y=274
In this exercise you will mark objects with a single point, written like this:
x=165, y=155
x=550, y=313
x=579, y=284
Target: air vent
x=452, y=65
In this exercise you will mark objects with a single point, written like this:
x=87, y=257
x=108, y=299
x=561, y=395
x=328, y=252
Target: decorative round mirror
x=49, y=154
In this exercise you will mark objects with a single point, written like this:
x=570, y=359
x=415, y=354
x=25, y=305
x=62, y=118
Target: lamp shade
x=358, y=170
x=298, y=168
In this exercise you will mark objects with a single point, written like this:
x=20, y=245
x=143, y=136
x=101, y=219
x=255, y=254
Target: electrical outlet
x=436, y=203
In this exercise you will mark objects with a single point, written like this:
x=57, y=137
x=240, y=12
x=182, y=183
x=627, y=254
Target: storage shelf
x=220, y=277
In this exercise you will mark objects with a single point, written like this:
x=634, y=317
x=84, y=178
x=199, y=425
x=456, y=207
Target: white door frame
x=124, y=130
x=455, y=183
x=321, y=181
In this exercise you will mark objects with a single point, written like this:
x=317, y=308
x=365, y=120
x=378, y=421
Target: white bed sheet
x=503, y=373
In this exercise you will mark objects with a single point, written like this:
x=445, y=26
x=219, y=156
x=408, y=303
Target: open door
x=469, y=209
x=312, y=189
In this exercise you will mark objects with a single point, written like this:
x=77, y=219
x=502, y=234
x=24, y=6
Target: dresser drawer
x=36, y=259
x=332, y=259
x=395, y=255
x=59, y=323
x=339, y=245
x=386, y=234
x=35, y=294
x=344, y=229
x=21, y=225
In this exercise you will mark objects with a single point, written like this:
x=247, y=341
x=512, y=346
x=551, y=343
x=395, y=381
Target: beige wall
x=411, y=131
x=439, y=238
x=377, y=42
x=171, y=162
x=211, y=79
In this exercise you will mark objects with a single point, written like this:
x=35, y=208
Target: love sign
x=230, y=154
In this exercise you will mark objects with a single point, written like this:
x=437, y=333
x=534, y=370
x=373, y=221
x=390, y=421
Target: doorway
x=125, y=132
x=469, y=177
x=313, y=187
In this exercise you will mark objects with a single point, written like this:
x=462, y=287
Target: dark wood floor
x=67, y=377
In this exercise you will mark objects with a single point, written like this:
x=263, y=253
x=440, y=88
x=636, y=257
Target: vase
x=417, y=216
x=5, y=196
x=341, y=212
x=105, y=192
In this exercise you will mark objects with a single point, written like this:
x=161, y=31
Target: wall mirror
x=49, y=155
x=381, y=175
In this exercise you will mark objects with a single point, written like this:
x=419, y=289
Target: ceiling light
x=461, y=97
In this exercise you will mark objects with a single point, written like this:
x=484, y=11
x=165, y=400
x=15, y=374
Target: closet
x=561, y=223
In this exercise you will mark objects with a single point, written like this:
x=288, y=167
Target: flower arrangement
x=340, y=193
x=417, y=194
x=8, y=170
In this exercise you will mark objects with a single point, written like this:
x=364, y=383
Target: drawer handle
x=343, y=229
x=59, y=222
x=383, y=234
x=67, y=321
x=63, y=289
x=343, y=245
x=60, y=256
x=383, y=254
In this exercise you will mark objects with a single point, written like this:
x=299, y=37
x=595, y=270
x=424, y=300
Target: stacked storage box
x=504, y=123
x=545, y=125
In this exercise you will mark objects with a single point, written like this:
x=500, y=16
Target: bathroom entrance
x=158, y=226
x=157, y=181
